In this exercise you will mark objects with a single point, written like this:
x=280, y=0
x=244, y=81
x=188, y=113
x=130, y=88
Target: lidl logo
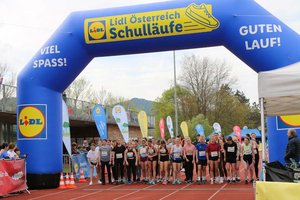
x=118, y=110
x=98, y=111
x=32, y=122
x=289, y=121
x=97, y=30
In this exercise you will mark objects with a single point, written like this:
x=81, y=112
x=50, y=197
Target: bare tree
x=204, y=77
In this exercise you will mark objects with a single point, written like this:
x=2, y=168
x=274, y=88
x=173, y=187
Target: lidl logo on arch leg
x=32, y=122
x=289, y=121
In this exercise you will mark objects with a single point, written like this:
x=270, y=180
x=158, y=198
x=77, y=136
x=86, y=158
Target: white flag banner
x=170, y=126
x=217, y=128
x=66, y=127
x=121, y=119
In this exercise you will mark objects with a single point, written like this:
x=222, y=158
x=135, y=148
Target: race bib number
x=230, y=149
x=201, y=153
x=119, y=155
x=162, y=151
x=130, y=154
x=255, y=151
x=104, y=153
x=143, y=151
x=214, y=154
x=151, y=151
x=176, y=155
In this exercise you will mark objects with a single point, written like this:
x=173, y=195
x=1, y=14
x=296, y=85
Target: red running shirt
x=211, y=149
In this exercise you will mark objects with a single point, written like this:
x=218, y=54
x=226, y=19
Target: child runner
x=238, y=161
x=189, y=156
x=176, y=152
x=213, y=156
x=118, y=159
x=131, y=162
x=201, y=160
x=163, y=156
x=256, y=154
x=143, y=160
x=248, y=157
x=105, y=160
x=230, y=157
x=152, y=162
x=93, y=159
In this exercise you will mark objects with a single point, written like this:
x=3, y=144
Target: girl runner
x=256, y=154
x=93, y=159
x=118, y=161
x=222, y=167
x=213, y=156
x=131, y=162
x=201, y=160
x=163, y=157
x=238, y=160
x=152, y=162
x=189, y=156
x=248, y=157
x=143, y=160
x=176, y=152
x=230, y=157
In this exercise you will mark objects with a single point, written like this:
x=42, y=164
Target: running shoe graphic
x=202, y=15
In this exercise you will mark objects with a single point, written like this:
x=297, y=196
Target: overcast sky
x=26, y=24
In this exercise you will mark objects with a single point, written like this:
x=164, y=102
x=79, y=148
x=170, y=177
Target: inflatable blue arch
x=242, y=26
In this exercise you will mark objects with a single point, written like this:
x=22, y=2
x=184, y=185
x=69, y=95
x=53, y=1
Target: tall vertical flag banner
x=170, y=126
x=184, y=129
x=217, y=127
x=143, y=122
x=66, y=133
x=237, y=131
x=162, y=128
x=121, y=119
x=99, y=117
x=199, y=129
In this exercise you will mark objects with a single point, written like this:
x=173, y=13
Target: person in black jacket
x=293, y=147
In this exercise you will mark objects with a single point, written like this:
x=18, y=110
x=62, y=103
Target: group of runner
x=157, y=161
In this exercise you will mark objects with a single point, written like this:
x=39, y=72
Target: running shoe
x=238, y=180
x=129, y=182
x=174, y=182
x=91, y=183
x=99, y=182
x=211, y=182
x=228, y=181
x=201, y=15
x=246, y=181
x=164, y=182
x=178, y=182
x=252, y=180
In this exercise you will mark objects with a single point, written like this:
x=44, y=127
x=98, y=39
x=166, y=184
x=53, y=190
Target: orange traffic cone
x=82, y=179
x=62, y=182
x=67, y=180
x=72, y=182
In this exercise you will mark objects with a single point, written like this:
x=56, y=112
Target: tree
x=203, y=78
x=164, y=106
x=199, y=119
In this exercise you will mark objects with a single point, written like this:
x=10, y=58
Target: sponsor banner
x=66, y=128
x=217, y=127
x=162, y=128
x=12, y=176
x=287, y=122
x=237, y=131
x=143, y=122
x=170, y=126
x=32, y=122
x=199, y=129
x=79, y=161
x=184, y=129
x=99, y=116
x=162, y=23
x=121, y=119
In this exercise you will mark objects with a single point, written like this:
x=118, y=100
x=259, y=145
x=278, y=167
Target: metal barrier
x=78, y=110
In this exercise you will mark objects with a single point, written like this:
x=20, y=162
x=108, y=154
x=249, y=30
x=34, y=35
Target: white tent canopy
x=280, y=90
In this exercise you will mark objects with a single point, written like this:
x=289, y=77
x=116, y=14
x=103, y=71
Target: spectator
x=74, y=148
x=3, y=151
x=18, y=152
x=11, y=151
x=86, y=145
x=293, y=147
